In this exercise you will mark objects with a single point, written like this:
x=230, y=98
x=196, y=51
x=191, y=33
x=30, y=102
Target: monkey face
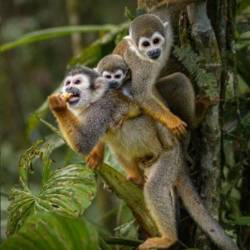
x=152, y=46
x=84, y=89
x=152, y=36
x=115, y=78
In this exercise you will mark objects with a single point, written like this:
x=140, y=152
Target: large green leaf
x=68, y=191
x=52, y=33
x=50, y=231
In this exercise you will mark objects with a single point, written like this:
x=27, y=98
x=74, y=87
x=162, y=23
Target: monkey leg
x=177, y=91
x=160, y=199
x=95, y=158
x=134, y=174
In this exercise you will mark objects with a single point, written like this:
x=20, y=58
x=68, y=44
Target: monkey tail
x=198, y=212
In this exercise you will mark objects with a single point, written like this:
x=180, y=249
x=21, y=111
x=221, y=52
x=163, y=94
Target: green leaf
x=242, y=221
x=69, y=191
x=50, y=231
x=52, y=33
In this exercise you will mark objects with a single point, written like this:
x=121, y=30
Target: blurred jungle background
x=33, y=67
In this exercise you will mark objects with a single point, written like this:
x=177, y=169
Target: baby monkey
x=180, y=98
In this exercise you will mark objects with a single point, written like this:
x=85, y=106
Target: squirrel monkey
x=73, y=107
x=141, y=142
x=152, y=40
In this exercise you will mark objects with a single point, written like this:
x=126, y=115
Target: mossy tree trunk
x=211, y=44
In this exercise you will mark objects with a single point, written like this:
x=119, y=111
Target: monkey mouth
x=154, y=54
x=75, y=95
x=74, y=99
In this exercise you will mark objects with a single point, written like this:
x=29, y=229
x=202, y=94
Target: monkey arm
x=68, y=122
x=144, y=75
x=160, y=112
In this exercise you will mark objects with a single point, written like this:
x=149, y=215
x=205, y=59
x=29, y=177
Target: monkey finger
x=176, y=133
x=66, y=96
x=183, y=130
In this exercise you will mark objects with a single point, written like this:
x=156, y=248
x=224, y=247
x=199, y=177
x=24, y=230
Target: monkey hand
x=57, y=102
x=177, y=126
x=94, y=160
x=118, y=120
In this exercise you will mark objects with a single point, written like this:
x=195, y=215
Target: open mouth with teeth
x=72, y=96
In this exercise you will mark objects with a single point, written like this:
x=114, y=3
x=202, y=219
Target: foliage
x=53, y=231
x=67, y=191
x=203, y=79
x=53, y=33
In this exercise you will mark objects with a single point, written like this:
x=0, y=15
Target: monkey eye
x=77, y=81
x=118, y=76
x=145, y=44
x=67, y=82
x=108, y=76
x=156, y=40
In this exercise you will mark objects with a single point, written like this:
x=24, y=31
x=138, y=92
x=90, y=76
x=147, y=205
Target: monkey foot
x=157, y=242
x=136, y=180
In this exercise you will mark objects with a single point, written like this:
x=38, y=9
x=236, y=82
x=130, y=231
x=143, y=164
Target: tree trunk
x=210, y=47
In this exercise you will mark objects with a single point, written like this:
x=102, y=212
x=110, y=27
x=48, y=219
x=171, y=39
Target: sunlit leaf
x=50, y=231
x=69, y=191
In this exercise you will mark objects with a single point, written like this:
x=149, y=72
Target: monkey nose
x=113, y=84
x=154, y=54
x=72, y=90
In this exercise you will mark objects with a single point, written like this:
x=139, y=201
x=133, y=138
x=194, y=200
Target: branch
x=122, y=241
x=131, y=194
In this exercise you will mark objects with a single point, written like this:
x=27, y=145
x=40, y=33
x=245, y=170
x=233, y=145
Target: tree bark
x=204, y=42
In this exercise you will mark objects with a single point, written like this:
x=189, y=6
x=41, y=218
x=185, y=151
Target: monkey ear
x=130, y=31
x=100, y=82
x=166, y=24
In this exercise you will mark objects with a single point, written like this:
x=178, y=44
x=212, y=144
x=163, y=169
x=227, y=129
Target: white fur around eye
x=141, y=41
x=119, y=72
x=159, y=36
x=106, y=73
x=67, y=79
x=84, y=80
